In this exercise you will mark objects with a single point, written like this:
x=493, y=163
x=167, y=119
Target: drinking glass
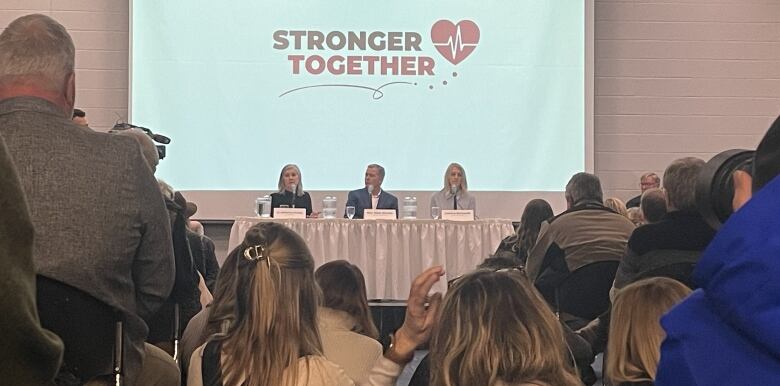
x=435, y=212
x=350, y=212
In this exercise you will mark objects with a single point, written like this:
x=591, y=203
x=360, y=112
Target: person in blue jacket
x=728, y=331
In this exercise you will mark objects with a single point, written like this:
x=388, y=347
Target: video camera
x=119, y=126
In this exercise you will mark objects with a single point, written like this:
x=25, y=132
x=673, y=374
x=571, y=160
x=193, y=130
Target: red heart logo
x=455, y=42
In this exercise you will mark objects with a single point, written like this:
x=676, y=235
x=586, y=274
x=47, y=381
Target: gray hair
x=584, y=186
x=464, y=185
x=379, y=169
x=680, y=183
x=37, y=45
x=300, y=178
x=166, y=190
x=148, y=149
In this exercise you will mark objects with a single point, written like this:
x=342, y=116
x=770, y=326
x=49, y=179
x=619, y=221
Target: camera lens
x=715, y=189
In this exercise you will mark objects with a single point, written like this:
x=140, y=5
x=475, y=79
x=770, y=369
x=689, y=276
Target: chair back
x=584, y=293
x=90, y=329
x=682, y=272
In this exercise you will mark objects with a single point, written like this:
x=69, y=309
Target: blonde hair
x=635, y=215
x=300, y=178
x=265, y=310
x=617, y=205
x=464, y=185
x=494, y=326
x=635, y=334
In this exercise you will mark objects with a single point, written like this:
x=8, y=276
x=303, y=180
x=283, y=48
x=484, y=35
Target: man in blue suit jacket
x=372, y=196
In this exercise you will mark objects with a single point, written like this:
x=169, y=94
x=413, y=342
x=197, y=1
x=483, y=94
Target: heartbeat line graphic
x=378, y=93
x=456, y=46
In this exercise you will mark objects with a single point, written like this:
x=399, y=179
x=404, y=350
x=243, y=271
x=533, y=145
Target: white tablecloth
x=391, y=253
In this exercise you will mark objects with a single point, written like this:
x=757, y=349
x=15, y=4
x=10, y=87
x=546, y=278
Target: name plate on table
x=290, y=213
x=457, y=215
x=379, y=214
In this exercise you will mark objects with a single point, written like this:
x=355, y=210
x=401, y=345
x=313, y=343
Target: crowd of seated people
x=103, y=225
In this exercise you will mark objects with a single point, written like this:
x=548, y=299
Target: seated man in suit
x=372, y=196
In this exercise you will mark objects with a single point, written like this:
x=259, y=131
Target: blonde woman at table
x=262, y=325
x=454, y=194
x=291, y=191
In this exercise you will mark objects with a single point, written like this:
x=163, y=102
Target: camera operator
x=188, y=284
x=725, y=333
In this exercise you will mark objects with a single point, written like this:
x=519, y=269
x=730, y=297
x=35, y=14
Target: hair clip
x=257, y=252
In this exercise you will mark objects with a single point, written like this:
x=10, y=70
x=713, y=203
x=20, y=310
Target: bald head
x=148, y=149
x=37, y=58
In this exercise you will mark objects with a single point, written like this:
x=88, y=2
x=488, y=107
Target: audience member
x=679, y=237
x=204, y=257
x=617, y=205
x=186, y=293
x=635, y=215
x=193, y=225
x=725, y=333
x=263, y=322
x=372, y=196
x=99, y=218
x=455, y=193
x=634, y=344
x=201, y=246
x=148, y=149
x=291, y=191
x=585, y=233
x=648, y=180
x=30, y=355
x=653, y=205
x=80, y=117
x=516, y=340
x=349, y=336
x=519, y=244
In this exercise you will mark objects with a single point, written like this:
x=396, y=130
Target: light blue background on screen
x=205, y=73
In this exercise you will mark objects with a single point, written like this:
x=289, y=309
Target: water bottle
x=329, y=207
x=263, y=206
x=409, y=209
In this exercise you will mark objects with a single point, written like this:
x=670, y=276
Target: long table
x=391, y=253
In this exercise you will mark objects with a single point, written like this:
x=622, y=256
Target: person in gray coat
x=100, y=220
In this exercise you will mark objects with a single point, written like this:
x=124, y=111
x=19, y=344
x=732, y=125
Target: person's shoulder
x=316, y=370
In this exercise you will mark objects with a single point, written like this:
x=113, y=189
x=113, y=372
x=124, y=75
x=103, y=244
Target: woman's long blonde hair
x=635, y=333
x=265, y=308
x=494, y=326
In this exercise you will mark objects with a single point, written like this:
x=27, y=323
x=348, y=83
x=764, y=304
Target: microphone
x=370, y=189
x=454, y=189
x=294, y=190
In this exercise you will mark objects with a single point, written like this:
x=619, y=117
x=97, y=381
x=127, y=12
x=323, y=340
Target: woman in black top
x=291, y=191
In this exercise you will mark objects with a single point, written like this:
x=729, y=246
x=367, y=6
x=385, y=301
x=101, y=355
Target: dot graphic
x=444, y=83
x=430, y=87
x=454, y=74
